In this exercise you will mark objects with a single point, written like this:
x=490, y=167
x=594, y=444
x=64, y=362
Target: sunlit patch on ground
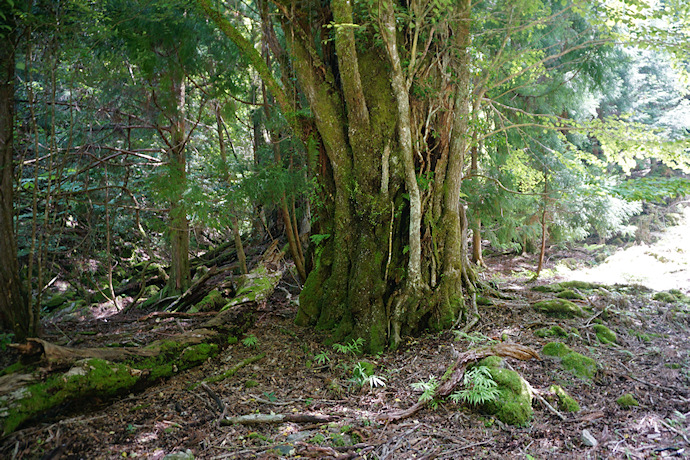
x=663, y=265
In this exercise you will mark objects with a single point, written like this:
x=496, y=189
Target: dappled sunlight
x=662, y=265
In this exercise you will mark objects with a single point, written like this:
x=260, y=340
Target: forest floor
x=299, y=374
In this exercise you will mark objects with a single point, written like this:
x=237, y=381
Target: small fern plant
x=480, y=387
x=428, y=390
x=363, y=374
x=250, y=341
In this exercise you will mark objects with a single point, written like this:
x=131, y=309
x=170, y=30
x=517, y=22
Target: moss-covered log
x=56, y=374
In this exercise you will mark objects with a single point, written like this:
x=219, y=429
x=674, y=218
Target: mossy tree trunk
x=393, y=124
x=396, y=258
x=15, y=311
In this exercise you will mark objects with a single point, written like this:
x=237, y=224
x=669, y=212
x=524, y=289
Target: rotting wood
x=197, y=291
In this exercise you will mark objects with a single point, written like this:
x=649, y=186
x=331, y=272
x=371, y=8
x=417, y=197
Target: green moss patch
x=570, y=294
x=559, y=308
x=671, y=296
x=514, y=403
x=567, y=285
x=553, y=331
x=548, y=288
x=579, y=365
x=565, y=402
x=582, y=285
x=604, y=334
x=627, y=401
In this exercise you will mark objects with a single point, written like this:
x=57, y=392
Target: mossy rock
x=671, y=296
x=559, y=308
x=514, y=403
x=59, y=299
x=556, y=349
x=570, y=294
x=577, y=364
x=604, y=334
x=565, y=401
x=553, y=331
x=627, y=401
x=665, y=297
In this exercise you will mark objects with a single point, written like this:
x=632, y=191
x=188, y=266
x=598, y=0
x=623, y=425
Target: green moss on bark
x=87, y=378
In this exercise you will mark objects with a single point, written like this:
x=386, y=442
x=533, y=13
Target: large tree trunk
x=15, y=311
x=392, y=260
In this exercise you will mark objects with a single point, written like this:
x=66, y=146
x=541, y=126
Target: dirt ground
x=301, y=375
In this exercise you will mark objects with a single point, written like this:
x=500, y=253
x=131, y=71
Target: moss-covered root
x=580, y=365
x=514, y=403
x=564, y=401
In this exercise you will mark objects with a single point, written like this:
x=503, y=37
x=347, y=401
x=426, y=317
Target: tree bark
x=15, y=311
x=180, y=274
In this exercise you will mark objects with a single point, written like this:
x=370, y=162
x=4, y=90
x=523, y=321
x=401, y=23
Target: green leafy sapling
x=427, y=388
x=480, y=387
x=354, y=347
x=322, y=358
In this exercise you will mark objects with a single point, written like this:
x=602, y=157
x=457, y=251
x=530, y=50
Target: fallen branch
x=233, y=370
x=256, y=419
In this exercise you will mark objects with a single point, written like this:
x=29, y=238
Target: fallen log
x=58, y=374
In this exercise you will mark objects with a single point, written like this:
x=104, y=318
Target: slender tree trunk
x=180, y=275
x=477, y=224
x=544, y=211
x=241, y=257
x=15, y=311
x=456, y=271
